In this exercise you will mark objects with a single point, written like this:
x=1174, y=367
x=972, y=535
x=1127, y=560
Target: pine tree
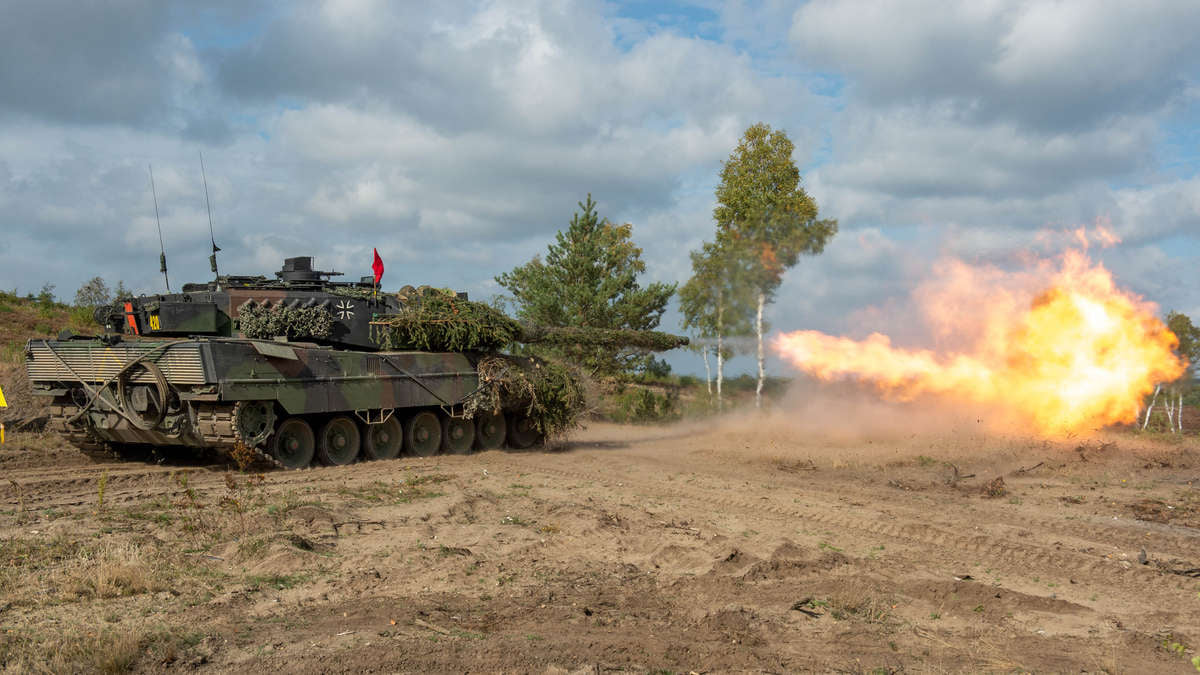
x=589, y=280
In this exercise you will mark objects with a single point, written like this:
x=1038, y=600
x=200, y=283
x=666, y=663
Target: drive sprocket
x=253, y=422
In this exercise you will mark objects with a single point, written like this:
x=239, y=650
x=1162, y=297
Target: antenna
x=162, y=252
x=212, y=259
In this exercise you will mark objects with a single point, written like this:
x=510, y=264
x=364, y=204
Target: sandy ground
x=755, y=544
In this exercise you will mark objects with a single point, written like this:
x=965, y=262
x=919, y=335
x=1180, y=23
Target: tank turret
x=299, y=303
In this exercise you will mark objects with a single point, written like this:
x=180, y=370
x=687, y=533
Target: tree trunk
x=1169, y=405
x=720, y=349
x=720, y=373
x=707, y=373
x=1179, y=422
x=758, y=331
x=1150, y=408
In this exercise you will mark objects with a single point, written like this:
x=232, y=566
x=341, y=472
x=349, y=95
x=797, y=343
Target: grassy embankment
x=23, y=318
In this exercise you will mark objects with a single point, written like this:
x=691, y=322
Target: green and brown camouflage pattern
x=318, y=380
x=301, y=380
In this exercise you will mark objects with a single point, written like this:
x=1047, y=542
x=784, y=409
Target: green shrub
x=81, y=315
x=45, y=297
x=640, y=405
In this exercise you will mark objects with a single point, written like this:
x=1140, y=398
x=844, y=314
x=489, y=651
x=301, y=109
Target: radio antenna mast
x=162, y=251
x=212, y=259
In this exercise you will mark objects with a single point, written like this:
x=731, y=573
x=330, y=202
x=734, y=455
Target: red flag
x=377, y=267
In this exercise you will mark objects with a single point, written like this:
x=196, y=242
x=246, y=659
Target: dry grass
x=51, y=651
x=39, y=572
x=108, y=652
x=994, y=656
x=81, y=599
x=115, y=570
x=82, y=648
x=861, y=605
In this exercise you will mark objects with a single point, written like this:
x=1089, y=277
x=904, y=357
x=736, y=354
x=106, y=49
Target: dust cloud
x=844, y=424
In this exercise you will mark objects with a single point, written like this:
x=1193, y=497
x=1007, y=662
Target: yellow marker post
x=3, y=404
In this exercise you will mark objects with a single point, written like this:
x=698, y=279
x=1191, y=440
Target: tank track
x=214, y=424
x=217, y=427
x=79, y=437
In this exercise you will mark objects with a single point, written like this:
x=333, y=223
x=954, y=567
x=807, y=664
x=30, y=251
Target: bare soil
x=745, y=545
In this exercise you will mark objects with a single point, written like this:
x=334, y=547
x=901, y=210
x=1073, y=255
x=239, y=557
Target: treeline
x=764, y=221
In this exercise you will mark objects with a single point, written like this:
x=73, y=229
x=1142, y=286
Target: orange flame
x=1078, y=354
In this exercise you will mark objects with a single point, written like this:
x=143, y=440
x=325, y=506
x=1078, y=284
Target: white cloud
x=924, y=151
x=457, y=138
x=1057, y=65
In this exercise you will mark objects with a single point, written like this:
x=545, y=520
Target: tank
x=300, y=369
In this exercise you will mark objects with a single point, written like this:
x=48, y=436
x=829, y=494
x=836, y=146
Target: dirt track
x=750, y=546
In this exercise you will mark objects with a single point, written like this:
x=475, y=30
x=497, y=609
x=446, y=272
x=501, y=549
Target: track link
x=217, y=427
x=214, y=424
x=78, y=436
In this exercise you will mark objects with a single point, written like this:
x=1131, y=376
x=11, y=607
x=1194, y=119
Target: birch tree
x=714, y=303
x=766, y=219
x=1189, y=348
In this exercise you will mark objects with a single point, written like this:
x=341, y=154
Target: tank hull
x=100, y=392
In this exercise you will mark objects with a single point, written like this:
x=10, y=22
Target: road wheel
x=458, y=435
x=423, y=436
x=294, y=443
x=339, y=441
x=490, y=431
x=522, y=431
x=383, y=440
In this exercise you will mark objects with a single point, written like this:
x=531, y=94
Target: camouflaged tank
x=300, y=368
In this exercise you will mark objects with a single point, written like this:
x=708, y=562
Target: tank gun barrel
x=601, y=337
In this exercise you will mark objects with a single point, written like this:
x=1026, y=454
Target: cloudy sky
x=458, y=139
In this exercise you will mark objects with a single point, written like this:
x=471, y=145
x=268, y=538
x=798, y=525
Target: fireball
x=1059, y=346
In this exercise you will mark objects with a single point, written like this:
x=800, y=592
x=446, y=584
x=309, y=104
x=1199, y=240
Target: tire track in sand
x=1011, y=556
x=1165, y=541
x=145, y=484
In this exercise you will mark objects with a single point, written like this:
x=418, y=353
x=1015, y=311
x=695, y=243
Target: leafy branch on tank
x=549, y=394
x=437, y=320
x=264, y=323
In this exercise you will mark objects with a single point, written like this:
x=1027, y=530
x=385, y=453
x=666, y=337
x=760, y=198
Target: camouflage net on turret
x=262, y=323
x=437, y=320
x=546, y=392
x=357, y=293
